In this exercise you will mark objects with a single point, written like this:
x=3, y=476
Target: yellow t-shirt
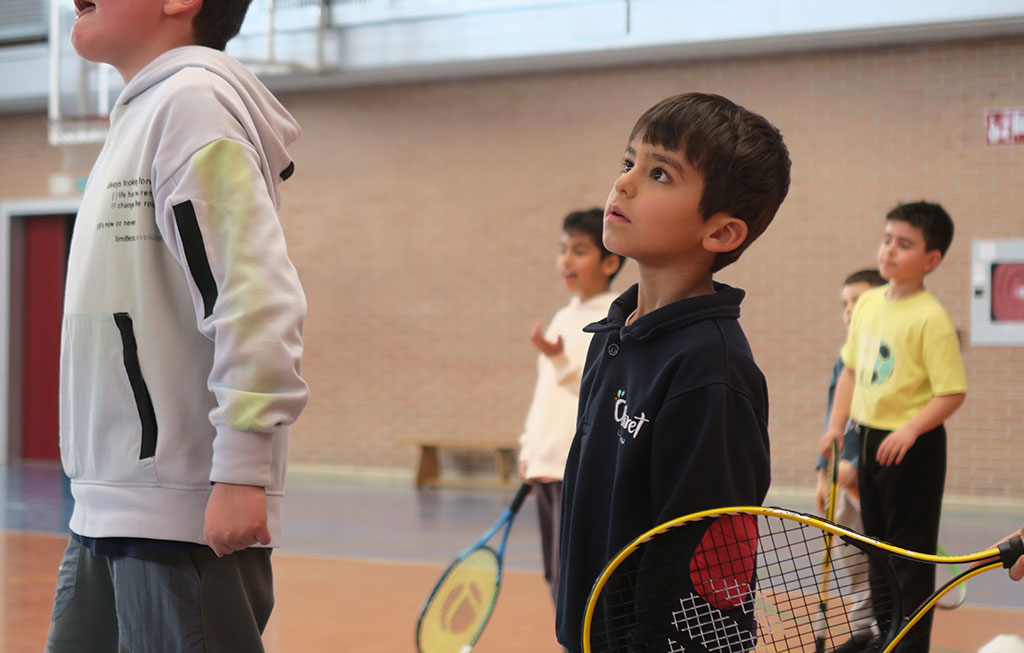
x=903, y=352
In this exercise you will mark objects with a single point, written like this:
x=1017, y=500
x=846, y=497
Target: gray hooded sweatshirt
x=182, y=331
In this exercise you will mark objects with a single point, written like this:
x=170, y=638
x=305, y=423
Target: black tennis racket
x=457, y=609
x=744, y=579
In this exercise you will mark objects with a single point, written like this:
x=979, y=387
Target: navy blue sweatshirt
x=673, y=419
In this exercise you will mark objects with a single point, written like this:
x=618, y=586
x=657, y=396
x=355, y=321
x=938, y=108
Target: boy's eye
x=659, y=174
x=625, y=166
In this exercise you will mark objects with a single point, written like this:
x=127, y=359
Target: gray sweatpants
x=191, y=602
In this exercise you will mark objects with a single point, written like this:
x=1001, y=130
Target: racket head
x=457, y=609
x=732, y=579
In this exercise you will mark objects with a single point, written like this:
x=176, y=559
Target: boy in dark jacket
x=673, y=409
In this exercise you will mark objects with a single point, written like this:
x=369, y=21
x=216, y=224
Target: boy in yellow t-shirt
x=903, y=378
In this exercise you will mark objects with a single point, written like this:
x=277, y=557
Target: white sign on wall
x=1004, y=127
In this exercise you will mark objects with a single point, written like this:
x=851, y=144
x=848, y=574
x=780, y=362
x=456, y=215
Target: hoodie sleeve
x=220, y=223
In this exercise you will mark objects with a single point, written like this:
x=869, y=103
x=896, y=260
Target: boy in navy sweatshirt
x=673, y=413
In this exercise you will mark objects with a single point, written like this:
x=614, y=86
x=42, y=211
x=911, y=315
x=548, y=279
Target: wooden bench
x=428, y=465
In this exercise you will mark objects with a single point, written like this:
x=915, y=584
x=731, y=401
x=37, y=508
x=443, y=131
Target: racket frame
x=961, y=589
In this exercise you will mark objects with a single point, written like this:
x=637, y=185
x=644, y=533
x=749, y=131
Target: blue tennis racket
x=457, y=609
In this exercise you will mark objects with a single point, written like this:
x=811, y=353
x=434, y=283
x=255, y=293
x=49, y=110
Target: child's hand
x=821, y=490
x=544, y=346
x=1017, y=570
x=847, y=476
x=236, y=518
x=895, y=446
x=825, y=444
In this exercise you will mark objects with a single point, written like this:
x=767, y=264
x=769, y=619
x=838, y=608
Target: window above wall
x=352, y=42
x=23, y=21
x=328, y=43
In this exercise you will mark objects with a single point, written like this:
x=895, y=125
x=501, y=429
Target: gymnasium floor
x=359, y=556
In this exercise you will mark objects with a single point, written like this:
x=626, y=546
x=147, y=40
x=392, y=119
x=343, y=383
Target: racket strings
x=742, y=583
x=460, y=604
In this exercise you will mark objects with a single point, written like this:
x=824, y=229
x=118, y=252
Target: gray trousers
x=190, y=602
x=549, y=514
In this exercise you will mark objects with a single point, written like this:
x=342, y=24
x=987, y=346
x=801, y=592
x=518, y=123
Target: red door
x=45, y=257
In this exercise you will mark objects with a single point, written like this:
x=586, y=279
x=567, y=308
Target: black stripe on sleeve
x=195, y=254
x=288, y=172
x=143, y=402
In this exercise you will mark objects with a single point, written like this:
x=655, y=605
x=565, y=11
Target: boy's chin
x=84, y=48
x=80, y=44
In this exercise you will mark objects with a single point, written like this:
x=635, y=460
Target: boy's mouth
x=614, y=214
x=83, y=7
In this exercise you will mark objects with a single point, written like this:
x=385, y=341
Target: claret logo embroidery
x=627, y=423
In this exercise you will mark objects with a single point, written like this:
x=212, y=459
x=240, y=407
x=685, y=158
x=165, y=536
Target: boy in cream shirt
x=587, y=269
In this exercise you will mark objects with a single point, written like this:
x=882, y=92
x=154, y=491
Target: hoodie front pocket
x=108, y=423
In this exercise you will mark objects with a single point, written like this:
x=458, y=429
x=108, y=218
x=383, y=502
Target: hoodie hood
x=267, y=123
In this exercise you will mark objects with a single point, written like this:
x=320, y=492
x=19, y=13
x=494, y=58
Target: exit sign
x=1004, y=127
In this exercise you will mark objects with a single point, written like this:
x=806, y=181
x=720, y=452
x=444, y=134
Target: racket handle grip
x=1010, y=551
x=521, y=495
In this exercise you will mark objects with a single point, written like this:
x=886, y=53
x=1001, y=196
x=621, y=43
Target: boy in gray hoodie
x=181, y=342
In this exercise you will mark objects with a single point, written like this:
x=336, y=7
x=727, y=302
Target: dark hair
x=870, y=276
x=591, y=223
x=931, y=219
x=218, y=21
x=740, y=155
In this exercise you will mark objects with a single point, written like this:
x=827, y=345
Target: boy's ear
x=610, y=264
x=724, y=233
x=932, y=259
x=178, y=7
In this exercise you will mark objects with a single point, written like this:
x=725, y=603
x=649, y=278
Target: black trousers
x=901, y=504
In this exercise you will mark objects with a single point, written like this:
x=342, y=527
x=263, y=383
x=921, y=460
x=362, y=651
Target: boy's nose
x=624, y=184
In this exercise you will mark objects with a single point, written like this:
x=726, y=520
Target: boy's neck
x=128, y=70
x=904, y=289
x=661, y=286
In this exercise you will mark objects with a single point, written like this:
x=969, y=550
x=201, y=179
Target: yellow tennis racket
x=821, y=625
x=742, y=579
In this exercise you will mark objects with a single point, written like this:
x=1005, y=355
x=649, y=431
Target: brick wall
x=424, y=222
